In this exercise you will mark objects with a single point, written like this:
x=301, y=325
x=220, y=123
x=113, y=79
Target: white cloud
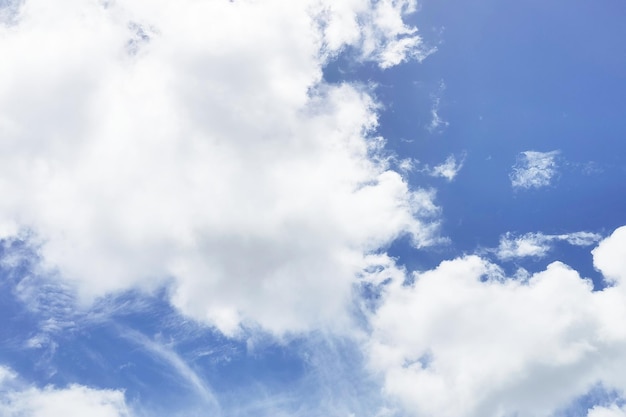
x=609, y=257
x=168, y=356
x=376, y=29
x=464, y=340
x=436, y=122
x=407, y=165
x=75, y=400
x=447, y=169
x=539, y=244
x=6, y=374
x=612, y=411
x=534, y=169
x=196, y=144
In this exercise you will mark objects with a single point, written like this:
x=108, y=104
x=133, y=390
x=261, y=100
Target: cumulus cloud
x=609, y=257
x=538, y=244
x=465, y=340
x=196, y=144
x=534, y=169
x=75, y=400
x=612, y=411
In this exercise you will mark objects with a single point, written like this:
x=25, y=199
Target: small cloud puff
x=538, y=244
x=534, y=169
x=448, y=169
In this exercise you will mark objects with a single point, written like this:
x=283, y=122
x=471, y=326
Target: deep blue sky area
x=512, y=77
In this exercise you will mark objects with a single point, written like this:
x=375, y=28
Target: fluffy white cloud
x=612, y=411
x=465, y=340
x=609, y=257
x=538, y=244
x=534, y=169
x=195, y=143
x=75, y=400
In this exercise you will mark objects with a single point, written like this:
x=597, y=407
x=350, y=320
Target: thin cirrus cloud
x=538, y=245
x=534, y=169
x=186, y=374
x=146, y=144
x=437, y=123
x=447, y=170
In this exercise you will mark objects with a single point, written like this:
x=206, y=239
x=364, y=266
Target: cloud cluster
x=75, y=400
x=534, y=169
x=539, y=244
x=465, y=340
x=197, y=144
x=193, y=144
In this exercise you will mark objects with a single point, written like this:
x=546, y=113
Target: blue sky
x=370, y=208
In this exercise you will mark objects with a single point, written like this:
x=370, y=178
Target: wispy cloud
x=6, y=374
x=538, y=245
x=534, y=169
x=169, y=357
x=448, y=169
x=437, y=124
x=376, y=29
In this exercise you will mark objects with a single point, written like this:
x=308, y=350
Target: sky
x=364, y=208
